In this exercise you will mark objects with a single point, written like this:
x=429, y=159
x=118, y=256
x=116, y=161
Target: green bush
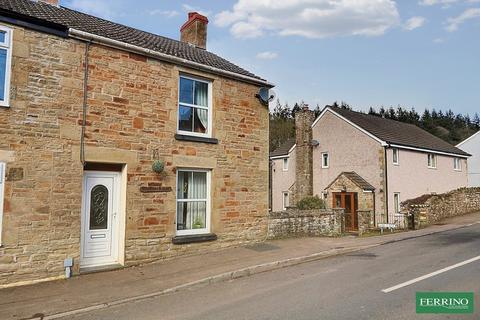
x=309, y=203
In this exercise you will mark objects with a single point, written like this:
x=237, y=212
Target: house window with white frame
x=2, y=188
x=193, y=202
x=457, y=164
x=194, y=107
x=5, y=64
x=325, y=160
x=285, y=164
x=432, y=160
x=286, y=200
x=395, y=157
x=396, y=202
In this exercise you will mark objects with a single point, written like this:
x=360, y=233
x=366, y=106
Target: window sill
x=194, y=238
x=184, y=137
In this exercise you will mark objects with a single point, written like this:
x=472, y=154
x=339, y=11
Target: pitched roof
x=356, y=179
x=398, y=133
x=67, y=18
x=283, y=149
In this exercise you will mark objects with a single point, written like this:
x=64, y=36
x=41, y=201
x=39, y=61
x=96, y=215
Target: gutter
x=93, y=38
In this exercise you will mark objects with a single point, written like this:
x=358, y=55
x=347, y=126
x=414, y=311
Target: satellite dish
x=265, y=95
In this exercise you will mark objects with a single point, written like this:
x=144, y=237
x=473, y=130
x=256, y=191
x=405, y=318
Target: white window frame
x=396, y=154
x=209, y=108
x=7, y=45
x=328, y=160
x=432, y=165
x=396, y=206
x=457, y=164
x=3, y=169
x=284, y=204
x=208, y=205
x=285, y=164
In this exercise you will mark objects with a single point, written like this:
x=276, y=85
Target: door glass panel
x=338, y=201
x=348, y=203
x=98, y=207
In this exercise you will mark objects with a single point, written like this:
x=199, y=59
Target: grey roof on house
x=63, y=17
x=400, y=133
x=283, y=149
x=355, y=178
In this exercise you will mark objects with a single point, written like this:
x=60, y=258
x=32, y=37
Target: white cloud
x=438, y=40
x=267, y=55
x=309, y=18
x=437, y=2
x=94, y=7
x=445, y=3
x=454, y=23
x=165, y=13
x=414, y=23
x=190, y=8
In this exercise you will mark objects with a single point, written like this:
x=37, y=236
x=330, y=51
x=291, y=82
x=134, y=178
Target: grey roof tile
x=77, y=20
x=396, y=132
x=283, y=149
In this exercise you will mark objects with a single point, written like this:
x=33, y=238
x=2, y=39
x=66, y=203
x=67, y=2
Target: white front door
x=99, y=243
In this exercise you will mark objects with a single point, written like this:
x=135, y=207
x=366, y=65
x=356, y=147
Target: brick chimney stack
x=52, y=2
x=304, y=154
x=194, y=31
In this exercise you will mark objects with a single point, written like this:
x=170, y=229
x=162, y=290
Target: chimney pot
x=194, y=31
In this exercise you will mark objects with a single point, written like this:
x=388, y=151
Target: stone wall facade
x=305, y=223
x=131, y=119
x=430, y=209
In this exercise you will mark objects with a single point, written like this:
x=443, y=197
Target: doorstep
x=109, y=267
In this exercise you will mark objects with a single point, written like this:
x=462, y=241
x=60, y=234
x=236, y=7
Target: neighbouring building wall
x=472, y=146
x=412, y=177
x=349, y=149
x=132, y=112
x=282, y=181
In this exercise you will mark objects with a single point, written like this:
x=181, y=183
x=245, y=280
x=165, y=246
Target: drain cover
x=260, y=247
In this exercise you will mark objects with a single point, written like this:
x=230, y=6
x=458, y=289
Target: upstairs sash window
x=194, y=111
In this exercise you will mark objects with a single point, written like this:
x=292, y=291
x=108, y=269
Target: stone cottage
x=362, y=162
x=472, y=146
x=119, y=146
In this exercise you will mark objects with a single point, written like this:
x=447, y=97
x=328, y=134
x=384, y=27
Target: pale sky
x=414, y=53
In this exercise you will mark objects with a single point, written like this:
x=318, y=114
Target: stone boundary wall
x=429, y=209
x=305, y=223
x=365, y=221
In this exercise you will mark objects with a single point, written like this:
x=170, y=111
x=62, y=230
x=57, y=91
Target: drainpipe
x=85, y=105
x=386, y=181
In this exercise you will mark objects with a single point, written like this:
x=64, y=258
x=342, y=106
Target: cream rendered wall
x=282, y=180
x=472, y=146
x=412, y=177
x=349, y=150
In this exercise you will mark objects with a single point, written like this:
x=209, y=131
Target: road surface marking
x=404, y=284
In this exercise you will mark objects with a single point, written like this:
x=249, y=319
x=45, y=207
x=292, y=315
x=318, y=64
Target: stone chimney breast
x=194, y=31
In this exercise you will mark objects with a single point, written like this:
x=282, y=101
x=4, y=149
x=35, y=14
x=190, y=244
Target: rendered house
x=91, y=111
x=362, y=162
x=472, y=146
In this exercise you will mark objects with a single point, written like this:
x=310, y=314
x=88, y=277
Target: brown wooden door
x=349, y=202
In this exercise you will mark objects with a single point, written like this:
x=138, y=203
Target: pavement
x=347, y=287
x=100, y=291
